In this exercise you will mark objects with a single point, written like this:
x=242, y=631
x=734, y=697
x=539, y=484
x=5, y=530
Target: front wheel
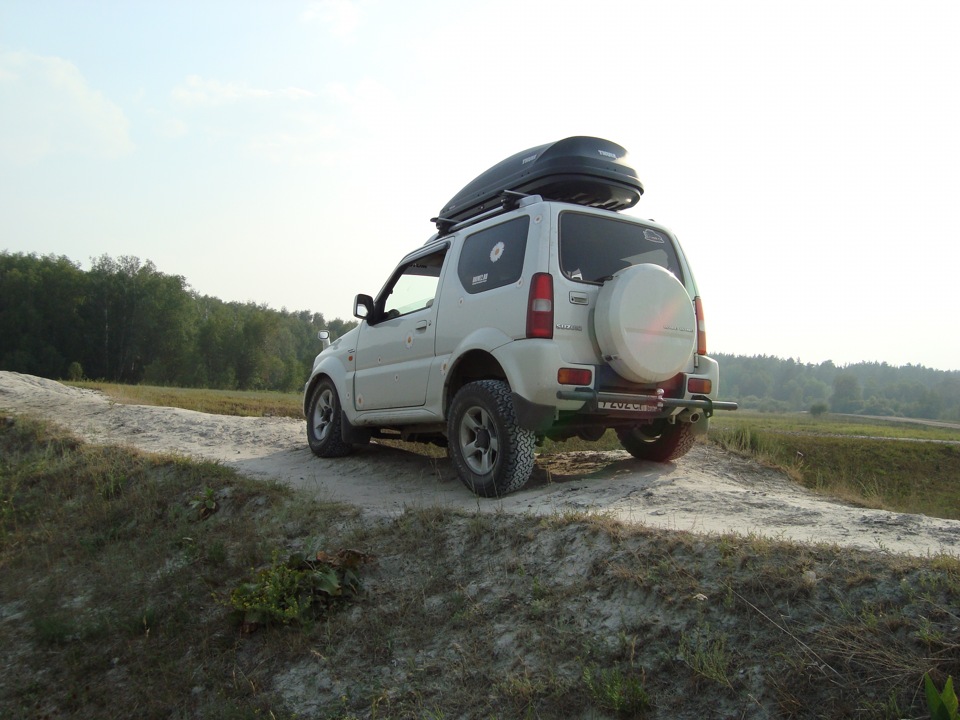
x=493, y=455
x=660, y=441
x=323, y=422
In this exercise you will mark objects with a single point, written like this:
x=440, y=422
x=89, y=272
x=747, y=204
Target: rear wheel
x=323, y=422
x=660, y=441
x=493, y=455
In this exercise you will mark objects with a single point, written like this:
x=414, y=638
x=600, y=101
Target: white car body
x=612, y=337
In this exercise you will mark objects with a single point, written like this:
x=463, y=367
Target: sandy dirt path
x=707, y=491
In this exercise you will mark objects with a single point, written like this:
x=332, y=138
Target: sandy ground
x=707, y=491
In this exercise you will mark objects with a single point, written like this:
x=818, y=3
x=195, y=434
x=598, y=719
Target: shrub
x=819, y=408
x=75, y=372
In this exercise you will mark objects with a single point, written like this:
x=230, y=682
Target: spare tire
x=645, y=323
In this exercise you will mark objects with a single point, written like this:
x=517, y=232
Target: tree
x=847, y=396
x=137, y=319
x=40, y=303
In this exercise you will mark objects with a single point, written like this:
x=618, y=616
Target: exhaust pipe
x=690, y=416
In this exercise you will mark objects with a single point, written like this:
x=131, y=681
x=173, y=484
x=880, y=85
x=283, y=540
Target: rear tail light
x=575, y=376
x=701, y=327
x=540, y=307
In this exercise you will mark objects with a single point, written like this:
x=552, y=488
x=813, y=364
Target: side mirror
x=324, y=337
x=363, y=306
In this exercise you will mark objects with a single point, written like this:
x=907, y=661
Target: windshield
x=594, y=248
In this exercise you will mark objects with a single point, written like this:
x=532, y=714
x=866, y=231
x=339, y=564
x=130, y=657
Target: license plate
x=626, y=406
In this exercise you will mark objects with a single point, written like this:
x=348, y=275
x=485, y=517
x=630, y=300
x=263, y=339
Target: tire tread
x=674, y=442
x=517, y=450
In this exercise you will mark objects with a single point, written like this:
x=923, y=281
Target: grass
x=828, y=424
x=901, y=475
x=247, y=403
x=115, y=601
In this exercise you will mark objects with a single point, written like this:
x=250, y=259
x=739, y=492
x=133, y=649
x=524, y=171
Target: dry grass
x=246, y=403
x=113, y=593
x=890, y=474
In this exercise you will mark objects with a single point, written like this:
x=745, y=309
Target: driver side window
x=415, y=287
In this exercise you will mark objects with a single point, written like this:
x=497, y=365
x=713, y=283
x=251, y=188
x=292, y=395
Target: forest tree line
x=124, y=321
x=868, y=388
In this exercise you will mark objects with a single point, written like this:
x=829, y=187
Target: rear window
x=594, y=248
x=493, y=257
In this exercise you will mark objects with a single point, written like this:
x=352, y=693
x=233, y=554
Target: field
x=148, y=586
x=220, y=402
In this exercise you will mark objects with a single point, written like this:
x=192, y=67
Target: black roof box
x=583, y=170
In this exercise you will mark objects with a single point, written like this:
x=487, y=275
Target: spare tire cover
x=645, y=323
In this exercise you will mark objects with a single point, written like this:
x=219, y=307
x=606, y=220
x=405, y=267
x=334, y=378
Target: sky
x=806, y=154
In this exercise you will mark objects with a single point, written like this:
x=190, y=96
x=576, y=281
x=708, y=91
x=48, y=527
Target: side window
x=414, y=288
x=493, y=257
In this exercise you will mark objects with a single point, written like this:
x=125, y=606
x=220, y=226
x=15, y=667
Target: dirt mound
x=708, y=491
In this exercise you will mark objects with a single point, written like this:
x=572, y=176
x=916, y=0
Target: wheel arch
x=338, y=376
x=471, y=366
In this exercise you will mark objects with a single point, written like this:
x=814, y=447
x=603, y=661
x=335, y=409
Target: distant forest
x=124, y=321
x=868, y=388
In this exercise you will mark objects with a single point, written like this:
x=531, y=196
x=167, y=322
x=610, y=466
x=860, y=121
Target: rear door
x=592, y=248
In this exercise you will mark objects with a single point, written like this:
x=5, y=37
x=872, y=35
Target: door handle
x=421, y=326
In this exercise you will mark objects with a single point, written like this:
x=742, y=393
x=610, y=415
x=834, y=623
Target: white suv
x=535, y=311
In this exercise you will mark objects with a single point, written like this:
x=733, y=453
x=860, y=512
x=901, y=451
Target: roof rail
x=509, y=200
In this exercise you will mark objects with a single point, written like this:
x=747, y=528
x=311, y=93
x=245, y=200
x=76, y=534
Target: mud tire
x=324, y=432
x=659, y=442
x=492, y=454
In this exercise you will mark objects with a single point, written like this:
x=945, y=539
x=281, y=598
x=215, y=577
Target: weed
x=705, y=652
x=111, y=485
x=942, y=705
x=55, y=628
x=297, y=589
x=928, y=633
x=616, y=691
x=205, y=503
x=889, y=709
x=216, y=553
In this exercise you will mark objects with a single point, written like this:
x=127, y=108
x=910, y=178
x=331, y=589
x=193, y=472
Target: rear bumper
x=658, y=402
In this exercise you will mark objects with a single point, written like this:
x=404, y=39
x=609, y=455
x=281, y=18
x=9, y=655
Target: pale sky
x=807, y=154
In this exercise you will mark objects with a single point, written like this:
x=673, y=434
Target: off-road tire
x=323, y=422
x=493, y=455
x=661, y=441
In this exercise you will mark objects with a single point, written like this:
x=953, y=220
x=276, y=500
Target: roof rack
x=508, y=199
